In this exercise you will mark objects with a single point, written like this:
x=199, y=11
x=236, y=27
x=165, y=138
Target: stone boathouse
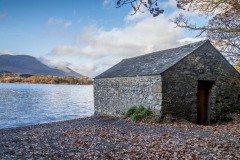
x=193, y=82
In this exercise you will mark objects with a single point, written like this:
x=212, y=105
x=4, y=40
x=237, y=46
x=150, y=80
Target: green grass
x=140, y=113
x=131, y=111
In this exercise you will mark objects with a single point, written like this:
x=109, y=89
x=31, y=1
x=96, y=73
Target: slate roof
x=150, y=64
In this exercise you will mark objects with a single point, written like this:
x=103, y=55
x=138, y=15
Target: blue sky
x=87, y=36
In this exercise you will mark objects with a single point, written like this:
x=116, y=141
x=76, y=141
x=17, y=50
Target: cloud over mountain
x=24, y=64
x=144, y=35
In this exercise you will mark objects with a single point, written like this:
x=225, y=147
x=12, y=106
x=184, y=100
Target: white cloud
x=188, y=40
x=139, y=37
x=63, y=65
x=93, y=67
x=64, y=50
x=147, y=35
x=107, y=3
x=59, y=21
x=53, y=63
x=97, y=49
x=5, y=51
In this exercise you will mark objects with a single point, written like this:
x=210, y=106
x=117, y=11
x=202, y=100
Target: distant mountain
x=69, y=72
x=24, y=64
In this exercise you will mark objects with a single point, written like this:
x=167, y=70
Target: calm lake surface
x=28, y=104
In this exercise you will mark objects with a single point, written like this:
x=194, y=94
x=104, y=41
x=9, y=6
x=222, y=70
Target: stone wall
x=114, y=96
x=180, y=85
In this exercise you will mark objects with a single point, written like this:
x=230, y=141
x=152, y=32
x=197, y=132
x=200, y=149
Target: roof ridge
x=151, y=63
x=203, y=42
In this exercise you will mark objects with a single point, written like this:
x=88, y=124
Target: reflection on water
x=27, y=104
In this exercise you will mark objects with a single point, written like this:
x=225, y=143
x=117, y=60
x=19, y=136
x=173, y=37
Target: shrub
x=136, y=117
x=147, y=112
x=141, y=114
x=130, y=111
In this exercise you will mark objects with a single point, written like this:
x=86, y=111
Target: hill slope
x=24, y=64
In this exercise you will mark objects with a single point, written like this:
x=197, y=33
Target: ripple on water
x=28, y=104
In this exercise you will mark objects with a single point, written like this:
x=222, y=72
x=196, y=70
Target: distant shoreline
x=44, y=79
x=45, y=83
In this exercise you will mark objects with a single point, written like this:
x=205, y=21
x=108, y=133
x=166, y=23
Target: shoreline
x=43, y=124
x=46, y=124
x=113, y=137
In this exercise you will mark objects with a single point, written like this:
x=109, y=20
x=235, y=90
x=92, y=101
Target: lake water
x=28, y=104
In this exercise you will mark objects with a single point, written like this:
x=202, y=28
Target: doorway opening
x=203, y=94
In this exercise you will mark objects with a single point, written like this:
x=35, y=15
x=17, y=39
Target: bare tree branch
x=222, y=28
x=151, y=5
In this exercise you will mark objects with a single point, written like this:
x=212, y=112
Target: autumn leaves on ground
x=116, y=138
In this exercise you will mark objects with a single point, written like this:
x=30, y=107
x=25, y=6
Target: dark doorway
x=204, y=88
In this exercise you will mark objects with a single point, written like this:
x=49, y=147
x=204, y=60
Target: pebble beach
x=116, y=138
